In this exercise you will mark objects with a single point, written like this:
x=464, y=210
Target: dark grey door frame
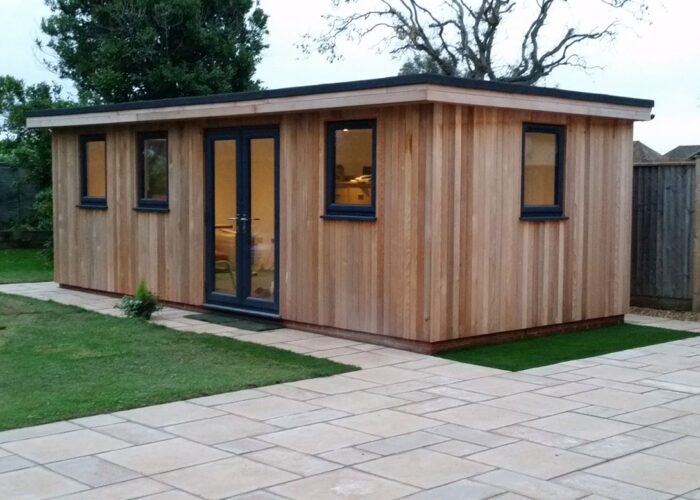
x=241, y=302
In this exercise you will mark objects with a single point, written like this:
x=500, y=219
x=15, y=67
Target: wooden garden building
x=419, y=211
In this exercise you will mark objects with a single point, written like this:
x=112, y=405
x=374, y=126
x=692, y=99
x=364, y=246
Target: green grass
x=24, y=265
x=59, y=362
x=543, y=351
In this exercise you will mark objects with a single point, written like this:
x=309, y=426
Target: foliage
x=475, y=39
x=544, y=351
x=24, y=265
x=60, y=362
x=29, y=149
x=142, y=305
x=125, y=50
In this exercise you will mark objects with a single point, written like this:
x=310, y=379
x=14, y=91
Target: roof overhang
x=382, y=92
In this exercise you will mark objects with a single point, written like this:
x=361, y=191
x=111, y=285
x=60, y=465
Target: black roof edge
x=393, y=81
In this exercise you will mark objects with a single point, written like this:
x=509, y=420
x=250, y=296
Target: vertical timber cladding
x=492, y=272
x=112, y=250
x=361, y=276
x=447, y=257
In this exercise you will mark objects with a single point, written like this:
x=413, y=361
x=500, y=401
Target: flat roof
x=396, y=90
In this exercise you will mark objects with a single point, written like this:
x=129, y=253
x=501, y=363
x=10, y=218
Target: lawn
x=24, y=265
x=59, y=362
x=543, y=351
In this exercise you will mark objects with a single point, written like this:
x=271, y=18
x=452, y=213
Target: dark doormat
x=241, y=323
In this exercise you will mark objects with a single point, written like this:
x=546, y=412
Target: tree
x=471, y=38
x=125, y=50
x=29, y=149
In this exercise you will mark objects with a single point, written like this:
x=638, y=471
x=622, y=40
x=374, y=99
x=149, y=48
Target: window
x=543, y=172
x=93, y=171
x=351, y=170
x=153, y=171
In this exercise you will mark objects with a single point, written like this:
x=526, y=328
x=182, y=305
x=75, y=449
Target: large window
x=543, y=171
x=93, y=171
x=153, y=170
x=351, y=170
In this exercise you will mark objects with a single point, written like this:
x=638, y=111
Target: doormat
x=241, y=323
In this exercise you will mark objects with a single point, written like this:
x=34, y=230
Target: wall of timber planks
x=448, y=256
x=493, y=272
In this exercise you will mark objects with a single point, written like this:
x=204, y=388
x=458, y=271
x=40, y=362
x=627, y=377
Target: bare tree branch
x=462, y=37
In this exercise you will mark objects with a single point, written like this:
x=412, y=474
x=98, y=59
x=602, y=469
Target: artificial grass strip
x=24, y=265
x=241, y=323
x=59, y=362
x=543, y=351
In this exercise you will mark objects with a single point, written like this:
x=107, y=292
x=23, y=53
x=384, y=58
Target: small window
x=153, y=170
x=93, y=171
x=543, y=171
x=351, y=170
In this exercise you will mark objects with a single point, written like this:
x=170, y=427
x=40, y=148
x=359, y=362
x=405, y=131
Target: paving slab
x=225, y=478
x=423, y=468
x=528, y=486
x=652, y=472
x=581, y=426
x=480, y=416
x=609, y=488
x=459, y=490
x=63, y=446
x=134, y=433
x=386, y=423
x=292, y=461
x=163, y=456
x=36, y=483
x=543, y=462
x=220, y=429
x=93, y=471
x=317, y=438
x=169, y=414
x=343, y=484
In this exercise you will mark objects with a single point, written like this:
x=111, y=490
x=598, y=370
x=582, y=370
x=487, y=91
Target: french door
x=241, y=217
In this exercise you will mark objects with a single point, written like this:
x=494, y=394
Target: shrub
x=141, y=305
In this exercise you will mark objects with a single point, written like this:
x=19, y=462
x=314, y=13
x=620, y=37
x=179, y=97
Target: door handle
x=243, y=219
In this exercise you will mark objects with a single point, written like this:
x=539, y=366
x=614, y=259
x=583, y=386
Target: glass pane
x=540, y=169
x=155, y=169
x=224, y=211
x=353, y=166
x=262, y=235
x=96, y=170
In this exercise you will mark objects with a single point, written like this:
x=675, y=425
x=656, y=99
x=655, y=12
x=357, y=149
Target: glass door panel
x=224, y=259
x=262, y=218
x=241, y=219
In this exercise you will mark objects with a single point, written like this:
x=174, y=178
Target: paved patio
x=625, y=425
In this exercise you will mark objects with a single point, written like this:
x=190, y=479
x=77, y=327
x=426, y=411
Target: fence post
x=696, y=239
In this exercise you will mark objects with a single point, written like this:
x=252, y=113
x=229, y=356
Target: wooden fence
x=16, y=196
x=665, y=267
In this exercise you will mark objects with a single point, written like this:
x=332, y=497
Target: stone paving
x=624, y=425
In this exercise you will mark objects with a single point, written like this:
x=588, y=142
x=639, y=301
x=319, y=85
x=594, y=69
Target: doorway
x=241, y=217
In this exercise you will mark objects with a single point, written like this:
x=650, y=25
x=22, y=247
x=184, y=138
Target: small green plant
x=142, y=305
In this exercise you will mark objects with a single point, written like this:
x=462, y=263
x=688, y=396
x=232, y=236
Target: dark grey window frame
x=341, y=211
x=92, y=202
x=545, y=212
x=148, y=204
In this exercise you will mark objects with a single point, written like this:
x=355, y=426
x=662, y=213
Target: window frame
x=545, y=212
x=97, y=202
x=149, y=204
x=342, y=211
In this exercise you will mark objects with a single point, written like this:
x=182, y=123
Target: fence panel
x=662, y=235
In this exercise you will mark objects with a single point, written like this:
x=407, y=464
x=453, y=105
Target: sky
x=656, y=58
